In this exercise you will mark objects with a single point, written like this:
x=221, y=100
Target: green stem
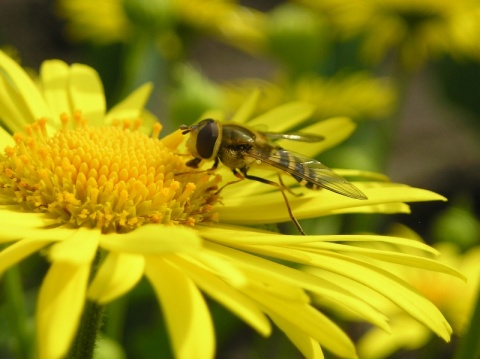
x=17, y=313
x=84, y=345
x=92, y=318
x=470, y=344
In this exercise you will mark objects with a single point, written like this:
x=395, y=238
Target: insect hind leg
x=282, y=190
x=238, y=175
x=288, y=189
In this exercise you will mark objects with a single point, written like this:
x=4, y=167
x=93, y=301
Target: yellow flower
x=413, y=30
x=77, y=182
x=106, y=21
x=456, y=299
x=358, y=95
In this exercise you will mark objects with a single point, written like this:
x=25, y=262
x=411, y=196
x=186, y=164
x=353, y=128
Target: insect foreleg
x=282, y=190
x=194, y=163
x=238, y=175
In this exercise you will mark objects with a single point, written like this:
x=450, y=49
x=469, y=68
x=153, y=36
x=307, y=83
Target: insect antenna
x=185, y=129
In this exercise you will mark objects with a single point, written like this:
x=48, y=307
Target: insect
x=240, y=148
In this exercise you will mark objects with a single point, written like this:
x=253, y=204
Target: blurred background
x=408, y=72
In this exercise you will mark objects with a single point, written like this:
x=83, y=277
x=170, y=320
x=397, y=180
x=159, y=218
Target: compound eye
x=206, y=139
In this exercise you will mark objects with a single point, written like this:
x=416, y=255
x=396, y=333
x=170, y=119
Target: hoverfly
x=240, y=148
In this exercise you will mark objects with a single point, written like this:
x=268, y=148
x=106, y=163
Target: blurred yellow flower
x=358, y=95
x=106, y=21
x=77, y=181
x=412, y=30
x=455, y=298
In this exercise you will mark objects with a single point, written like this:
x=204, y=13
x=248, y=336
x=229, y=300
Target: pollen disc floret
x=113, y=177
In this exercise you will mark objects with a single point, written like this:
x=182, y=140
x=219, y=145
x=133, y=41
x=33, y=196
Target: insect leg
x=282, y=188
x=238, y=175
x=194, y=163
x=289, y=190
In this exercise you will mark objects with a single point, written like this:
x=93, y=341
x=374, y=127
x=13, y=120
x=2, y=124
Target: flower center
x=114, y=177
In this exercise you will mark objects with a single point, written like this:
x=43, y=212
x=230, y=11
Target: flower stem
x=92, y=318
x=17, y=313
x=469, y=344
x=84, y=345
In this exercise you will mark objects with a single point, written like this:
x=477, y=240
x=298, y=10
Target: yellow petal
x=336, y=296
x=276, y=286
x=364, y=175
x=389, y=256
x=398, y=241
x=245, y=111
x=173, y=140
x=308, y=320
x=27, y=92
x=283, y=281
x=309, y=347
x=54, y=234
x=222, y=268
x=79, y=249
x=389, y=286
x=335, y=130
x=284, y=117
x=14, y=117
x=60, y=304
x=225, y=294
x=148, y=121
x=6, y=138
x=270, y=207
x=186, y=313
x=16, y=225
x=118, y=274
x=249, y=188
x=218, y=115
x=235, y=236
x=54, y=76
x=227, y=234
x=18, y=251
x=86, y=93
x=153, y=239
x=350, y=303
x=131, y=107
x=382, y=198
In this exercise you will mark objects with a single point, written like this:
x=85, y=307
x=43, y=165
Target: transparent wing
x=308, y=171
x=294, y=136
